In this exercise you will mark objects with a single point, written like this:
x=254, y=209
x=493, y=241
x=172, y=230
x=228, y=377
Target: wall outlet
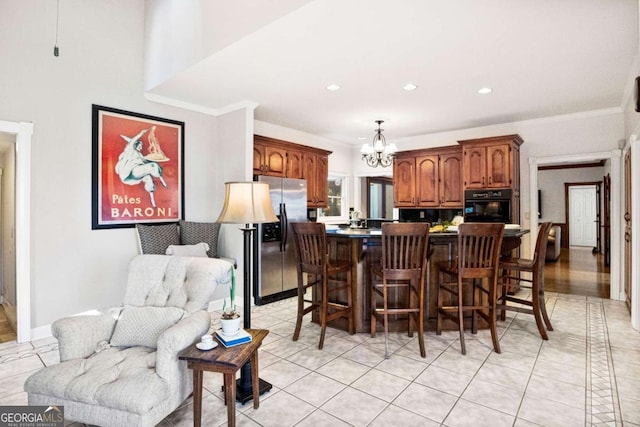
x=421, y=215
x=527, y=215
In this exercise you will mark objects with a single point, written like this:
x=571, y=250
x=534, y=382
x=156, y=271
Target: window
x=337, y=197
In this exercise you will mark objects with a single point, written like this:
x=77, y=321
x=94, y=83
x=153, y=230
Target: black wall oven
x=487, y=206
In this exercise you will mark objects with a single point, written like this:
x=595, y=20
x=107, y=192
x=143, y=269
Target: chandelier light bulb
x=378, y=152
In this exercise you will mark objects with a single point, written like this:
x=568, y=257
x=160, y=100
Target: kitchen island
x=361, y=246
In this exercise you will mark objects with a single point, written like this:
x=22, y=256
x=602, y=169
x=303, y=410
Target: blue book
x=241, y=337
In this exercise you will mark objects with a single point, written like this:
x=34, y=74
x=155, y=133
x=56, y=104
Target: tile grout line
x=602, y=405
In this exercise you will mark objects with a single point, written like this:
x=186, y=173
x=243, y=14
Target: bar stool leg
x=461, y=317
x=542, y=303
x=324, y=310
x=352, y=327
x=386, y=319
x=439, y=305
x=535, y=305
x=296, y=333
x=493, y=315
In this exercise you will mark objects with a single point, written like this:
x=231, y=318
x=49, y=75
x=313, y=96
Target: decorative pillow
x=198, y=250
x=155, y=239
x=196, y=232
x=142, y=326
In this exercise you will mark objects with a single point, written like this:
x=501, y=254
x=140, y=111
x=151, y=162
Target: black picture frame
x=137, y=169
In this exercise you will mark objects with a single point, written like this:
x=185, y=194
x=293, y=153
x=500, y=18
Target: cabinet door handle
x=483, y=180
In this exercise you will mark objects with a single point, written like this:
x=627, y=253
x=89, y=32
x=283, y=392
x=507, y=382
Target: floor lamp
x=247, y=203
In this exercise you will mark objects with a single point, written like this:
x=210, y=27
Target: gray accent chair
x=121, y=368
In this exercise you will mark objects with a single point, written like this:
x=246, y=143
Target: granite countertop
x=375, y=232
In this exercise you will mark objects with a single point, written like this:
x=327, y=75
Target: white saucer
x=202, y=346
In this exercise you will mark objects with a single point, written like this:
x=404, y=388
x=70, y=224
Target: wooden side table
x=226, y=361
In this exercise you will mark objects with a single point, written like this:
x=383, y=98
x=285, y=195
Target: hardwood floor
x=579, y=272
x=6, y=331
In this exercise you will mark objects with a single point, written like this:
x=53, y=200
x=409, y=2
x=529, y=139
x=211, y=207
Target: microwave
x=487, y=206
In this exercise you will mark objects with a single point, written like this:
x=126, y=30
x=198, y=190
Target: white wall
x=181, y=33
x=74, y=268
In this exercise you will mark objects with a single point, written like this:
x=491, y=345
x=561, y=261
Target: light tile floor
x=588, y=373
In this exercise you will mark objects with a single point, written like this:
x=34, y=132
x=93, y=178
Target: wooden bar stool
x=512, y=271
x=403, y=268
x=476, y=267
x=313, y=260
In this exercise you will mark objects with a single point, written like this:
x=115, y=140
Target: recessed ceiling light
x=484, y=90
x=362, y=137
x=409, y=87
x=333, y=87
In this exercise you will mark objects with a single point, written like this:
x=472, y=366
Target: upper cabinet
x=316, y=172
x=274, y=157
x=491, y=162
x=269, y=160
x=428, y=178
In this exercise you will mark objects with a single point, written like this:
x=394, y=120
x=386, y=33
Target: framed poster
x=137, y=169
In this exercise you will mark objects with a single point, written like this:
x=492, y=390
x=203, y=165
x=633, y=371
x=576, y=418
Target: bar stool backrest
x=404, y=250
x=479, y=247
x=311, y=247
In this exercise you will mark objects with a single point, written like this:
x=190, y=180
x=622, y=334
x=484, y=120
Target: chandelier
x=378, y=152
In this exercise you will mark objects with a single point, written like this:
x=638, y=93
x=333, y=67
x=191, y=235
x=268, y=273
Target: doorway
x=22, y=133
x=379, y=197
x=614, y=158
x=8, y=318
x=582, y=215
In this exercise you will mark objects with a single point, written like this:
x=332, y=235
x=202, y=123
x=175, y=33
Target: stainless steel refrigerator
x=273, y=242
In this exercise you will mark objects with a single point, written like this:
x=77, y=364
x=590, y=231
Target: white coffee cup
x=207, y=340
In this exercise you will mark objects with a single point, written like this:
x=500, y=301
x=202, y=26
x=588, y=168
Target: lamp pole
x=244, y=387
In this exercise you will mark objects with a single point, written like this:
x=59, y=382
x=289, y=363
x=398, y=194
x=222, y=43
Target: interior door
x=582, y=216
x=627, y=229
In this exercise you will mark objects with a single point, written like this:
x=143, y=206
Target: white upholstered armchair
x=121, y=368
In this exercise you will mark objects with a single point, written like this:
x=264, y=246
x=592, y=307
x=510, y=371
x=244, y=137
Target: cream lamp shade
x=247, y=203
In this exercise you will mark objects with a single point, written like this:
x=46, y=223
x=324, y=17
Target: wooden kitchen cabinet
x=274, y=157
x=491, y=162
x=427, y=194
x=269, y=160
x=404, y=181
x=294, y=164
x=451, y=193
x=316, y=171
x=428, y=178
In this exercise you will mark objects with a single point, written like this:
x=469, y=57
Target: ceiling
x=540, y=57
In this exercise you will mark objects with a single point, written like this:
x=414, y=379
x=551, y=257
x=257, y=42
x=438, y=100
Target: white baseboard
x=41, y=332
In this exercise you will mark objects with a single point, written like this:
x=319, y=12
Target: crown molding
x=200, y=108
